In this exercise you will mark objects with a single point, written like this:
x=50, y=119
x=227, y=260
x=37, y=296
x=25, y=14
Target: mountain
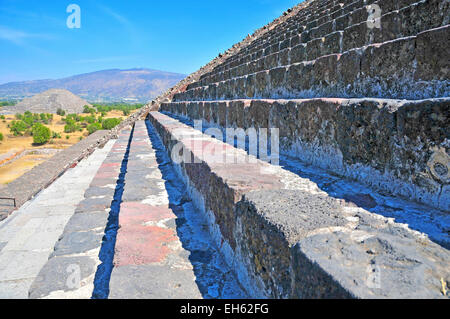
x=49, y=102
x=133, y=85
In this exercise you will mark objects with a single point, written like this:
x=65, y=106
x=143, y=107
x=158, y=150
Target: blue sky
x=175, y=36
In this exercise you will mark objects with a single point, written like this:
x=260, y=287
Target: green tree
x=41, y=134
x=94, y=127
x=88, y=109
x=90, y=119
x=70, y=128
x=1, y=137
x=109, y=124
x=18, y=128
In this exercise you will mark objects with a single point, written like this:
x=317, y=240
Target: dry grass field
x=16, y=152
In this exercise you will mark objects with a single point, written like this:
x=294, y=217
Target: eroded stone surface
x=161, y=249
x=283, y=220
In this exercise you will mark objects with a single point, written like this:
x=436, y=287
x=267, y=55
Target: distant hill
x=134, y=85
x=49, y=102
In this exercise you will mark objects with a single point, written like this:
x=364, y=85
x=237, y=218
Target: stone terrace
x=358, y=206
x=349, y=77
x=360, y=101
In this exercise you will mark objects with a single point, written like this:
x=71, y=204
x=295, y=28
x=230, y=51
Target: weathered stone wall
x=394, y=146
x=347, y=74
x=364, y=103
x=285, y=238
x=338, y=54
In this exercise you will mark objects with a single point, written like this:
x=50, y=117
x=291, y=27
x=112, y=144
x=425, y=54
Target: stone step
x=160, y=250
x=70, y=271
x=31, y=183
x=301, y=9
x=354, y=138
x=288, y=239
x=146, y=234
x=337, y=38
x=406, y=68
x=353, y=13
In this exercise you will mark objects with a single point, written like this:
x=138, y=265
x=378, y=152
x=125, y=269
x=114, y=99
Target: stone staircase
x=351, y=202
x=359, y=102
x=332, y=85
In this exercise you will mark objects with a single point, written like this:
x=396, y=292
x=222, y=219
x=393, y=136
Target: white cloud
x=19, y=37
x=133, y=33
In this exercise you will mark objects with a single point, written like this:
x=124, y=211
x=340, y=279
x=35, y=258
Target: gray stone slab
x=18, y=265
x=15, y=289
x=78, y=243
x=87, y=221
x=137, y=192
x=134, y=282
x=62, y=274
x=96, y=191
x=93, y=204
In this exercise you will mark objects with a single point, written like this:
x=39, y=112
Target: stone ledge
x=389, y=145
x=288, y=239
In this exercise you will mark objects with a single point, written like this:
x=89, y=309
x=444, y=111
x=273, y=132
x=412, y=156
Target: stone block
x=348, y=68
x=285, y=44
x=277, y=78
x=390, y=26
x=262, y=81
x=325, y=72
x=298, y=53
x=259, y=111
x=222, y=113
x=314, y=48
x=432, y=55
x=423, y=16
x=305, y=37
x=240, y=87
x=354, y=36
x=283, y=57
x=271, y=61
x=389, y=61
x=300, y=76
x=250, y=85
x=332, y=43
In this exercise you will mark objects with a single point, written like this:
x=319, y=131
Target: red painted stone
x=108, y=165
x=138, y=213
x=107, y=174
x=138, y=244
x=142, y=245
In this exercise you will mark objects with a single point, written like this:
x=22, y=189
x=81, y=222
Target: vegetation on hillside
x=109, y=124
x=7, y=103
x=92, y=120
x=125, y=108
x=24, y=123
x=30, y=131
